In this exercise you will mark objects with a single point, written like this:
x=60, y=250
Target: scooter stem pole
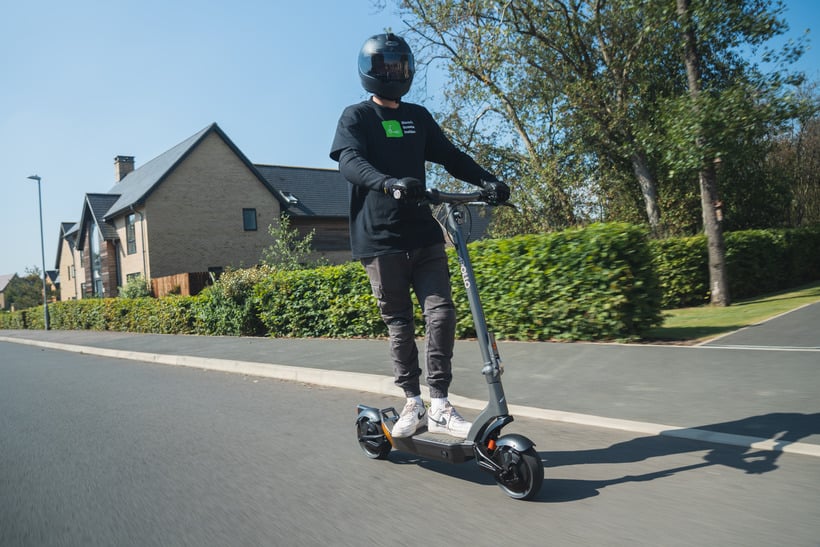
x=492, y=369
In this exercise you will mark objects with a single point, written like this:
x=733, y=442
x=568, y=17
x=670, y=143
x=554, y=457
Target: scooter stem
x=497, y=403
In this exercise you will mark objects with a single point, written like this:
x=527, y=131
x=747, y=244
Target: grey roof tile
x=138, y=184
x=309, y=191
x=94, y=209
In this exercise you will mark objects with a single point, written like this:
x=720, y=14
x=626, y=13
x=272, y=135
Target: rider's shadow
x=783, y=427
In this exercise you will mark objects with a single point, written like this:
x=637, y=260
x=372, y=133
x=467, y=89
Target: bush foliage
x=581, y=284
x=758, y=262
x=605, y=281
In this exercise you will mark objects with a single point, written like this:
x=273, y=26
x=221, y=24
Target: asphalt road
x=100, y=451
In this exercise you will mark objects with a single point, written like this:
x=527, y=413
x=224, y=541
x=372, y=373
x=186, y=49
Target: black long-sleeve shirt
x=375, y=143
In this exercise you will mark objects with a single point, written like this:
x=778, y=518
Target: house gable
x=71, y=272
x=66, y=228
x=94, y=209
x=194, y=219
x=4, y=281
x=139, y=184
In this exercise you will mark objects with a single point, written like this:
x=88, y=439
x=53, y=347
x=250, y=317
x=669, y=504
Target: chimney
x=122, y=166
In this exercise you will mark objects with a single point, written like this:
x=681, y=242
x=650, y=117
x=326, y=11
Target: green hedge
x=581, y=284
x=333, y=301
x=584, y=284
x=605, y=281
x=170, y=315
x=758, y=262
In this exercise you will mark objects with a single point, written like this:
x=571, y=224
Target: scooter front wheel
x=522, y=472
x=372, y=439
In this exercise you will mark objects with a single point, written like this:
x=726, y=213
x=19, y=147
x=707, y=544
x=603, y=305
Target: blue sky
x=88, y=80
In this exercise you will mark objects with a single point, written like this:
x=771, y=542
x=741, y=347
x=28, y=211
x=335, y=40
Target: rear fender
x=513, y=440
x=369, y=412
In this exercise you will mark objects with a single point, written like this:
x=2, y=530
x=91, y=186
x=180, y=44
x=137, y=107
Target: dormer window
x=290, y=198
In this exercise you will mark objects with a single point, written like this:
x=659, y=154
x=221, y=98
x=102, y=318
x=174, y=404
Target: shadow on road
x=784, y=427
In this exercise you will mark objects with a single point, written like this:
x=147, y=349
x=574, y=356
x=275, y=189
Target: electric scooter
x=512, y=458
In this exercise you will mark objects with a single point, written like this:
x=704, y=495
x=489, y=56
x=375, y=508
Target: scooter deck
x=436, y=446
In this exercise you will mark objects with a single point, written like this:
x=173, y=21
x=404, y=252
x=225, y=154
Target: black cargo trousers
x=425, y=271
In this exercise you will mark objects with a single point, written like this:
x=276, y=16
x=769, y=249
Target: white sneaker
x=447, y=420
x=409, y=419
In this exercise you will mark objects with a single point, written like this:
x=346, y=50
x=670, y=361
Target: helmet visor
x=388, y=66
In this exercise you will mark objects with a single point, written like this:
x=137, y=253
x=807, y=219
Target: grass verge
x=692, y=325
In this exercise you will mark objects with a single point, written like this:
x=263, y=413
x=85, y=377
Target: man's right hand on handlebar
x=406, y=188
x=495, y=192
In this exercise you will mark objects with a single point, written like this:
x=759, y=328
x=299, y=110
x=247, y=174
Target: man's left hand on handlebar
x=495, y=192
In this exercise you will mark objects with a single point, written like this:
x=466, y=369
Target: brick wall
x=194, y=218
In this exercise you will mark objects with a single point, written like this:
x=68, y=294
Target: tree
x=560, y=90
x=502, y=121
x=718, y=278
x=25, y=292
x=289, y=251
x=795, y=160
x=728, y=98
x=586, y=104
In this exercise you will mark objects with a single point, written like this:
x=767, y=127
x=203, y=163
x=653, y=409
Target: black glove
x=495, y=192
x=406, y=188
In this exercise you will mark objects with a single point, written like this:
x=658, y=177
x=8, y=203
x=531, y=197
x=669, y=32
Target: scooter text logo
x=464, y=277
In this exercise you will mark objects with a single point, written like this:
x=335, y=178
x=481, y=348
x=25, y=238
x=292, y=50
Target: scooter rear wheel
x=522, y=472
x=372, y=440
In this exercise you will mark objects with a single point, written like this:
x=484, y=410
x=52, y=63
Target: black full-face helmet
x=386, y=66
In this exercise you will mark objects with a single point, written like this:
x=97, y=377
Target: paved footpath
x=757, y=387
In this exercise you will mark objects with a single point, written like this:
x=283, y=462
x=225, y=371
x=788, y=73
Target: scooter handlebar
x=435, y=197
x=438, y=196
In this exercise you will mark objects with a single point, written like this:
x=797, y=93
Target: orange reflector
x=491, y=444
x=387, y=434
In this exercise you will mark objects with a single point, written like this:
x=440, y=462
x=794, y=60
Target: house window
x=95, y=239
x=131, y=234
x=249, y=219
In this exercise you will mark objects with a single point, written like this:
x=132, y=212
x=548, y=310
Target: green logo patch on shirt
x=392, y=129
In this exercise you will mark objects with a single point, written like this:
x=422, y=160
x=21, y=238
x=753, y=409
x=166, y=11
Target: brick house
x=69, y=265
x=201, y=206
x=4, y=281
x=317, y=199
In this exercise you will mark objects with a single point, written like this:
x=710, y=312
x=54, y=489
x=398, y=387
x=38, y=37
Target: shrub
x=228, y=307
x=682, y=266
x=333, y=301
x=580, y=284
x=758, y=262
x=137, y=287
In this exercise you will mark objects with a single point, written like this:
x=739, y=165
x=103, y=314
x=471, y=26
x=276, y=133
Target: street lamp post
x=42, y=251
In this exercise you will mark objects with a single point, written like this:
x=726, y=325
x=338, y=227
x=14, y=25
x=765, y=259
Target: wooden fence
x=185, y=284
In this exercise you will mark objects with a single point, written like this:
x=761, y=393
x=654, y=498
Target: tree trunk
x=649, y=190
x=718, y=278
